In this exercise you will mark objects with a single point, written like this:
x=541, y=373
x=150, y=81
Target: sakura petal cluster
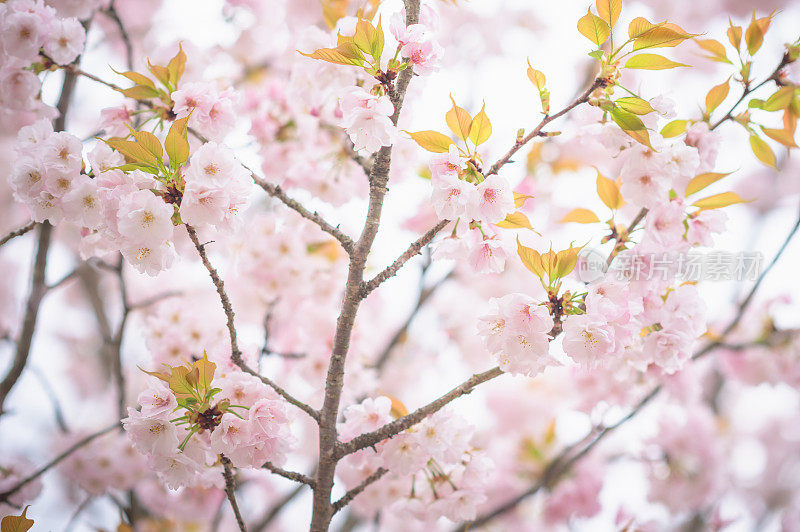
x=435, y=468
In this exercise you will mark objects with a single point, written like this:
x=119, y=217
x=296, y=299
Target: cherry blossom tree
x=292, y=274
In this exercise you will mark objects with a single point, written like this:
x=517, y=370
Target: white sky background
x=511, y=102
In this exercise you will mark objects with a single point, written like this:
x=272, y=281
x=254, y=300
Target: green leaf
x=632, y=125
x=753, y=36
x=652, y=62
x=481, y=128
x=634, y=104
x=458, y=120
x=780, y=100
x=432, y=141
x=715, y=48
x=133, y=151
x=137, y=78
x=177, y=143
x=531, y=259
x=347, y=53
x=762, y=151
x=662, y=35
x=161, y=73
x=205, y=370
x=594, y=28
x=140, y=92
x=149, y=142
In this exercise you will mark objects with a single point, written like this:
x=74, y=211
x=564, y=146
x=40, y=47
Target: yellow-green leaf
x=515, y=220
x=632, y=125
x=133, y=151
x=780, y=100
x=609, y=10
x=566, y=261
x=608, y=191
x=581, y=216
x=717, y=95
x=149, y=142
x=181, y=382
x=206, y=370
x=652, y=62
x=674, y=128
x=520, y=199
x=783, y=136
x=753, y=36
x=137, y=78
x=459, y=121
x=634, y=104
x=594, y=28
x=701, y=181
x=735, y=35
x=481, y=128
x=715, y=48
x=717, y=201
x=176, y=66
x=537, y=78
x=140, y=92
x=762, y=151
x=432, y=140
x=161, y=73
x=662, y=35
x=531, y=259
x=16, y=523
x=346, y=53
x=177, y=143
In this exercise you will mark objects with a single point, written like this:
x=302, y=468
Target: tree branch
x=49, y=465
x=291, y=475
x=236, y=353
x=398, y=425
x=353, y=493
x=413, y=250
x=230, y=490
x=17, y=232
x=583, y=98
x=277, y=192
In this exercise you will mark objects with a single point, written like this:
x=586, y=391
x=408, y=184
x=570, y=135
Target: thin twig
x=230, y=490
x=413, y=250
x=276, y=509
x=17, y=232
x=27, y=480
x=353, y=493
x=236, y=354
x=291, y=475
x=51, y=394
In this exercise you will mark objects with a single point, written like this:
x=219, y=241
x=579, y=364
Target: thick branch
x=353, y=493
x=17, y=232
x=398, y=425
x=413, y=250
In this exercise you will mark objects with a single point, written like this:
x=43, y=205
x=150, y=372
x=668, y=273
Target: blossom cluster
x=238, y=417
x=32, y=32
x=434, y=467
x=127, y=211
x=213, y=112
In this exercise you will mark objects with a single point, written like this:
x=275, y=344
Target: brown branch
x=291, y=475
x=49, y=465
x=353, y=493
x=583, y=98
x=413, y=250
x=236, y=353
x=37, y=291
x=398, y=425
x=17, y=232
x=276, y=509
x=230, y=490
x=126, y=39
x=277, y=192
x=322, y=509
